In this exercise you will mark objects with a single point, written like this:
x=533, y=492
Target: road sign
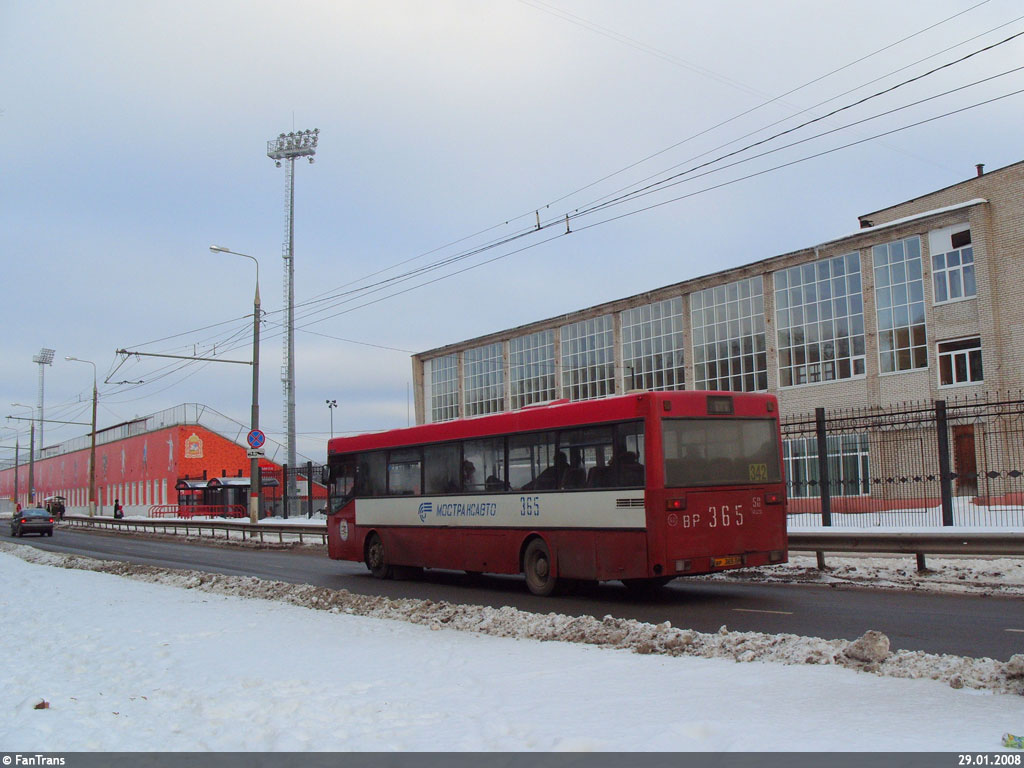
x=255, y=453
x=256, y=438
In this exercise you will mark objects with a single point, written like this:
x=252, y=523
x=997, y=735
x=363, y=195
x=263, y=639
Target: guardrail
x=917, y=544
x=197, y=510
x=214, y=528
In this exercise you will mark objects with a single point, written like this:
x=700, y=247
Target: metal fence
x=299, y=491
x=956, y=462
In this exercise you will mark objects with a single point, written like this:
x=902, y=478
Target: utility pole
x=255, y=478
x=32, y=466
x=285, y=148
x=92, y=442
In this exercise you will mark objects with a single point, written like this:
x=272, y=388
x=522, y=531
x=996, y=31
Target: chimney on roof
x=981, y=169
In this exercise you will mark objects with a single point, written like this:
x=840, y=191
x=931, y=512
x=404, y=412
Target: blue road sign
x=256, y=438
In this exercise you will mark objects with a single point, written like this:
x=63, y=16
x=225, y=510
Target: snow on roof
x=907, y=219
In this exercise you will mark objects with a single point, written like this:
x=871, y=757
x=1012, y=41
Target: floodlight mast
x=45, y=357
x=285, y=148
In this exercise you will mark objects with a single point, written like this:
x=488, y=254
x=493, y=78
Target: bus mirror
x=325, y=475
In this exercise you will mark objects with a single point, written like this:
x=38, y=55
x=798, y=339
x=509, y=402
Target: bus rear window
x=720, y=452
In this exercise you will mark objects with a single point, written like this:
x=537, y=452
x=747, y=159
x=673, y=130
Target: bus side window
x=483, y=464
x=629, y=455
x=404, y=468
x=590, y=453
x=371, y=478
x=441, y=468
x=528, y=457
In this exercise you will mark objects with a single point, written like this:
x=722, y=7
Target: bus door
x=341, y=516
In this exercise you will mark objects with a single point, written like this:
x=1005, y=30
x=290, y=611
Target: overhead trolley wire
x=361, y=292
x=337, y=299
x=772, y=101
x=674, y=181
x=790, y=117
x=812, y=121
x=804, y=159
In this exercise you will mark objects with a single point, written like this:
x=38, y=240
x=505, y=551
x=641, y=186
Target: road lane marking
x=1015, y=630
x=790, y=613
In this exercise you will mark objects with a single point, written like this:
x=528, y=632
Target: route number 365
x=530, y=506
x=725, y=516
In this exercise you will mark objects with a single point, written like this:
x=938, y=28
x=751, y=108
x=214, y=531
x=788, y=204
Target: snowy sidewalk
x=131, y=666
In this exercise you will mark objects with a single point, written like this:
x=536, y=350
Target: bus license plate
x=723, y=562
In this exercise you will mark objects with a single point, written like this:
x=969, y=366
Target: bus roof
x=556, y=415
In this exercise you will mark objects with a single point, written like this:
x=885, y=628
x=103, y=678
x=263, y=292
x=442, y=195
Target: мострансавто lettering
x=472, y=509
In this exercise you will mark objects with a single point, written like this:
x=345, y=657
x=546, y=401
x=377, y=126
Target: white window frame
x=947, y=272
x=724, y=307
x=939, y=355
x=892, y=307
x=483, y=379
x=444, y=388
x=657, y=330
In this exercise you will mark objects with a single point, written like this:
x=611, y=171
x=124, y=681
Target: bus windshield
x=720, y=452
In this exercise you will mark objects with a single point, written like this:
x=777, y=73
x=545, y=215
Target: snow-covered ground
x=179, y=660
x=948, y=573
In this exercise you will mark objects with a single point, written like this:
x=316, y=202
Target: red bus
x=640, y=488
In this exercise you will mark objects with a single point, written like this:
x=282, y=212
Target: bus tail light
x=675, y=505
x=773, y=498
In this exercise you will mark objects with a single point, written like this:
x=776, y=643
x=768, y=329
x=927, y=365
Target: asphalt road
x=937, y=623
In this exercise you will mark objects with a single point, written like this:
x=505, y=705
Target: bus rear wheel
x=377, y=558
x=537, y=568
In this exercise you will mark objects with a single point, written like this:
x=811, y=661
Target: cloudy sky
x=134, y=136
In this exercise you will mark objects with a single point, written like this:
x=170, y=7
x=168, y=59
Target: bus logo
x=425, y=509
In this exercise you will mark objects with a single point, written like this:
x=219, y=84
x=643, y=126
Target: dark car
x=32, y=521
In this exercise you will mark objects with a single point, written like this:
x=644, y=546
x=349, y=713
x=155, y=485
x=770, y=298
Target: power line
x=834, y=112
x=770, y=101
x=804, y=159
x=379, y=286
x=674, y=181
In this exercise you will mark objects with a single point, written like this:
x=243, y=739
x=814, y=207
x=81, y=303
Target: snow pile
x=869, y=653
x=973, y=575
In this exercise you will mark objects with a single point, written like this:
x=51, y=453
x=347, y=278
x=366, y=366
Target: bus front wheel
x=537, y=568
x=377, y=558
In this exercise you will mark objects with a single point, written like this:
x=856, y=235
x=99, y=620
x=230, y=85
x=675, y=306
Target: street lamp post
x=331, y=405
x=45, y=357
x=254, y=463
x=92, y=441
x=31, y=455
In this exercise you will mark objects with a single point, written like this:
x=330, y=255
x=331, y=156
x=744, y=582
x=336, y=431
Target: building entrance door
x=964, y=462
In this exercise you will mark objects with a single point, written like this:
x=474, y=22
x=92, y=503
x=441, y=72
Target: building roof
x=756, y=267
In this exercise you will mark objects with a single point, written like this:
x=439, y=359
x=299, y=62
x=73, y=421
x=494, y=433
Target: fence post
x=823, y=479
x=284, y=490
x=309, y=492
x=945, y=475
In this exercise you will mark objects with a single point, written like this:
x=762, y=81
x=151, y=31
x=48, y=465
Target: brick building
x=925, y=301
x=170, y=457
